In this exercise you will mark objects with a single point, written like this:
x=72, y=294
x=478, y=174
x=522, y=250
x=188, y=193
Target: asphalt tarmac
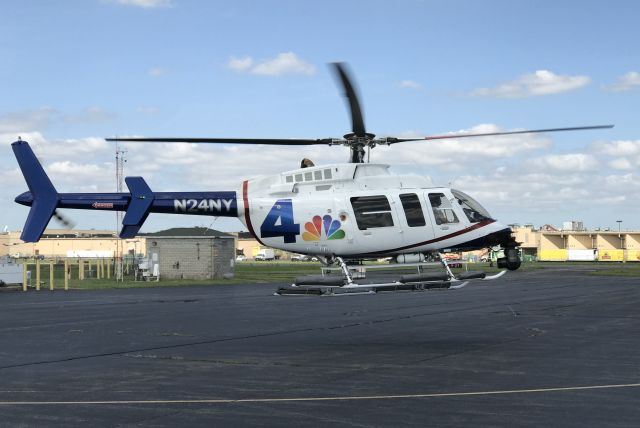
x=553, y=348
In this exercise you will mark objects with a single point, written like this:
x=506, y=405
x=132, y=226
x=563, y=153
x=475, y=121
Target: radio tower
x=121, y=158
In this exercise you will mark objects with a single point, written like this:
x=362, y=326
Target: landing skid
x=344, y=285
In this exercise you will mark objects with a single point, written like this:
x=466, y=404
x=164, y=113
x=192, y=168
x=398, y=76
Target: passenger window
x=317, y=175
x=372, y=212
x=327, y=174
x=442, y=209
x=412, y=209
x=307, y=176
x=298, y=178
x=289, y=179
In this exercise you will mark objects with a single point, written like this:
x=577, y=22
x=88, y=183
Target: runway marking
x=302, y=399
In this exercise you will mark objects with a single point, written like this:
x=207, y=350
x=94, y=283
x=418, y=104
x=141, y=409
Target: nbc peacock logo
x=313, y=228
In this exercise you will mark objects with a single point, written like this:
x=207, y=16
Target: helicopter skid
x=306, y=286
x=355, y=289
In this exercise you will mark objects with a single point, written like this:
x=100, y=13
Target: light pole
x=620, y=235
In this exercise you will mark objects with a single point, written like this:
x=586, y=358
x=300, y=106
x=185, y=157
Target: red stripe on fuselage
x=247, y=217
x=431, y=241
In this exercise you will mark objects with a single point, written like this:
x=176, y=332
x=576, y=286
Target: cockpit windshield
x=472, y=209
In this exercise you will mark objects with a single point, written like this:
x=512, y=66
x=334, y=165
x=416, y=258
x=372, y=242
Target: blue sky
x=74, y=72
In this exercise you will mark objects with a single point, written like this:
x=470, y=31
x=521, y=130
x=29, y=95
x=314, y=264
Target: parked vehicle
x=10, y=273
x=240, y=258
x=303, y=258
x=266, y=254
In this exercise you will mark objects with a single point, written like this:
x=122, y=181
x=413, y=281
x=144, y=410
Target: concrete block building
x=191, y=257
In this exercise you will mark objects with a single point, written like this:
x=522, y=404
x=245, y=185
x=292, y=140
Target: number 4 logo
x=279, y=222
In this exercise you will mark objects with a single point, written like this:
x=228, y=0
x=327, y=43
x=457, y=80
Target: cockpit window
x=442, y=209
x=472, y=209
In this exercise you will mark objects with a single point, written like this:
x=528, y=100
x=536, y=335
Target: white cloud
x=573, y=162
x=79, y=176
x=620, y=163
x=240, y=64
x=34, y=138
x=541, y=82
x=410, y=84
x=84, y=145
x=11, y=177
x=146, y=4
x=73, y=149
x=627, y=82
x=455, y=153
x=629, y=180
x=619, y=148
x=284, y=63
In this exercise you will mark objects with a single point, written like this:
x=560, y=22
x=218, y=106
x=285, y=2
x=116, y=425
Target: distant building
x=574, y=225
x=190, y=253
x=70, y=243
x=578, y=244
x=249, y=247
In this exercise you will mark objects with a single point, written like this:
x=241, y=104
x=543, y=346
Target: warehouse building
x=551, y=244
x=71, y=243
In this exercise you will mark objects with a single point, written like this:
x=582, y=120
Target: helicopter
x=339, y=212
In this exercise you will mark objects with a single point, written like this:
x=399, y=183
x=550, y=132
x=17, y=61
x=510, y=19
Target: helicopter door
x=445, y=219
x=376, y=223
x=418, y=226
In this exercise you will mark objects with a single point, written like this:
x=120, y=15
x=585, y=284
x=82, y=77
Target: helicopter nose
x=25, y=198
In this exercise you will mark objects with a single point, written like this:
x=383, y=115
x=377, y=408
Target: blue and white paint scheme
x=279, y=210
x=351, y=210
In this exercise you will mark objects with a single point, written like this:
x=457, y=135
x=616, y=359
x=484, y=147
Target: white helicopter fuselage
x=362, y=210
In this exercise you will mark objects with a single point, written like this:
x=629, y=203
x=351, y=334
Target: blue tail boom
x=138, y=203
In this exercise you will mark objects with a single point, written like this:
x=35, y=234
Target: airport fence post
x=38, y=274
x=51, y=271
x=108, y=268
x=67, y=274
x=80, y=270
x=25, y=269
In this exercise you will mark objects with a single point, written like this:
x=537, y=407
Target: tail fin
x=139, y=207
x=45, y=196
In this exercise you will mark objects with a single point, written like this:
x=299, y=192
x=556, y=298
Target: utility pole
x=121, y=159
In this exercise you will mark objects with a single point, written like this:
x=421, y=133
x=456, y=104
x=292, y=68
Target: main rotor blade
x=268, y=141
x=357, y=122
x=490, y=134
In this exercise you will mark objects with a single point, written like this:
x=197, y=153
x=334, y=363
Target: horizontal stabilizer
x=43, y=194
x=139, y=207
x=38, y=219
